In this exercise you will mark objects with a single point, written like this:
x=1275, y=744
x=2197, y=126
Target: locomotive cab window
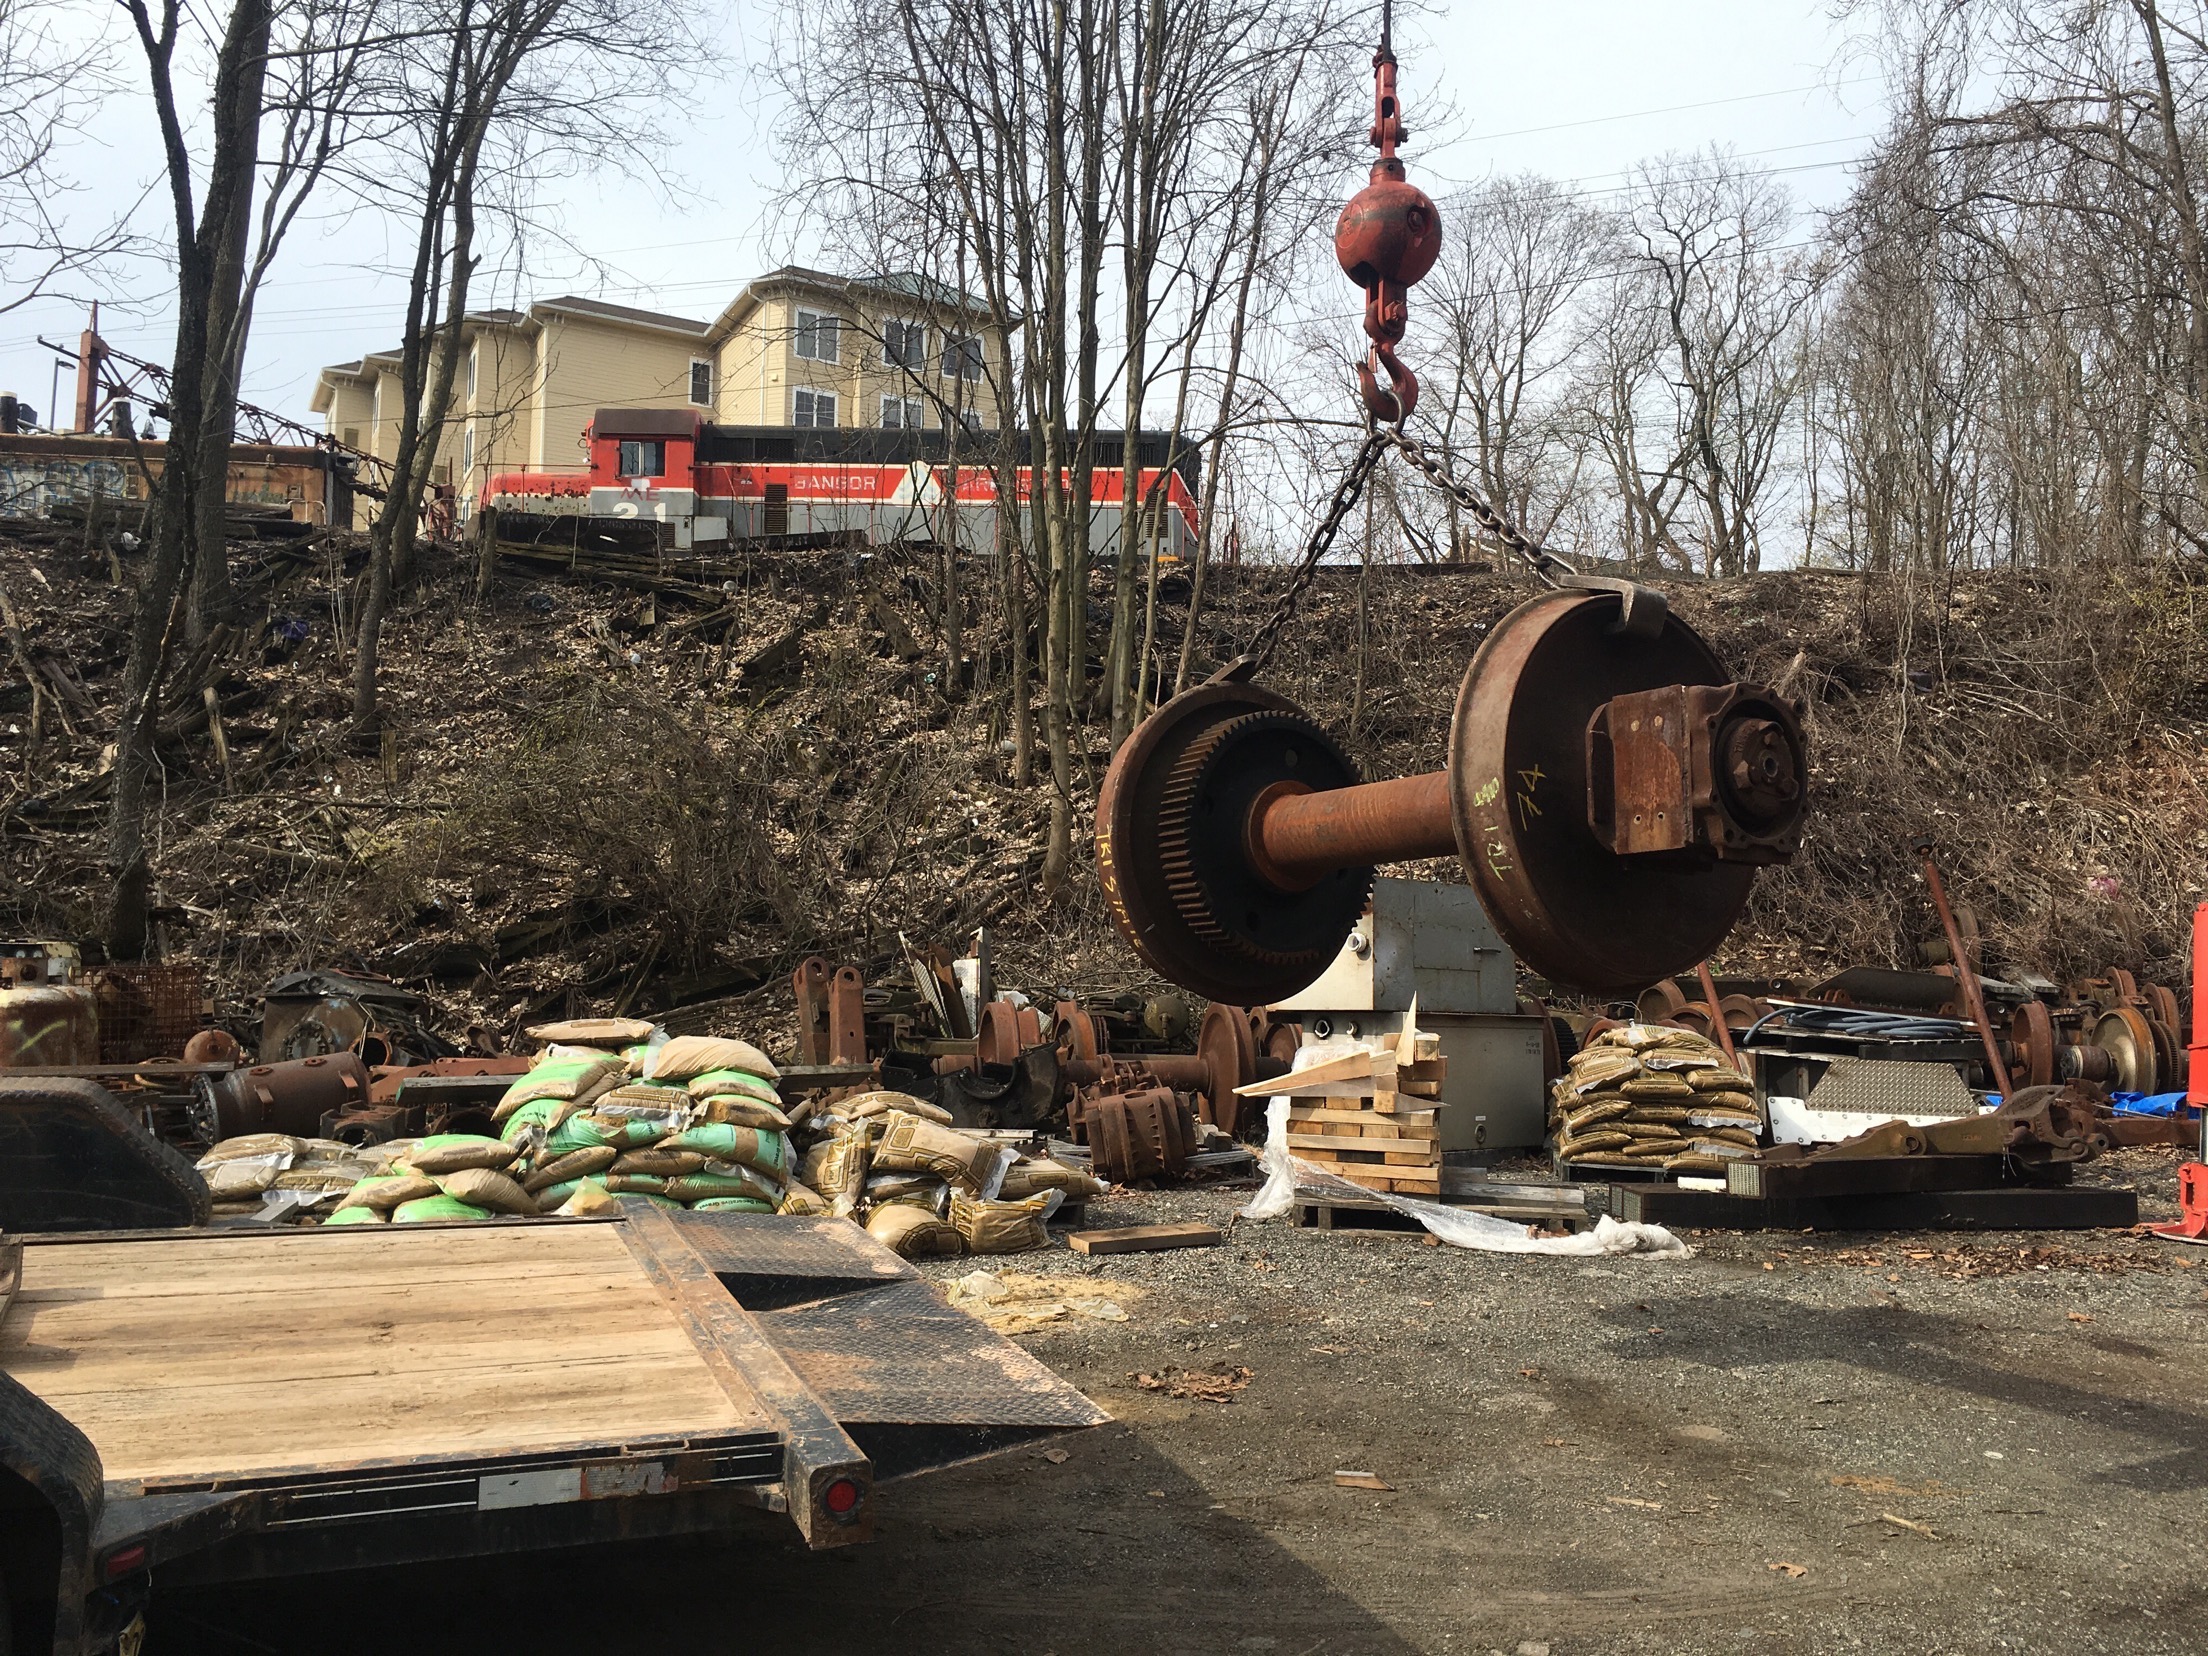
x=643, y=459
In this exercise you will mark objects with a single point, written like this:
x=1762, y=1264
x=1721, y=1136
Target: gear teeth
x=1176, y=803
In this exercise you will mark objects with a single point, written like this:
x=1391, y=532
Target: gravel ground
x=1789, y=1443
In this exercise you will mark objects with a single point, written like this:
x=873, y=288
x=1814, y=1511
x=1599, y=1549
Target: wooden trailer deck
x=227, y=1357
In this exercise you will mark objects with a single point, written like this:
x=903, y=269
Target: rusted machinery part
x=2162, y=1007
x=1279, y=1041
x=1076, y=1032
x=2125, y=1035
x=1022, y=1094
x=2048, y=1123
x=2169, y=1057
x=2124, y=983
x=212, y=1046
x=1143, y=1135
x=2032, y=1046
x=809, y=984
x=290, y=1097
x=1174, y=856
x=1598, y=1026
x=1741, y=1011
x=997, y=1041
x=847, y=1017
x=2085, y=1063
x=1228, y=1048
x=1571, y=909
x=1660, y=1002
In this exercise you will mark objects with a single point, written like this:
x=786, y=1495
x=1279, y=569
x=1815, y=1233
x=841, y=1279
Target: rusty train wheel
x=1572, y=909
x=2169, y=1057
x=1172, y=854
x=1228, y=1049
x=2162, y=1007
x=1660, y=1002
x=2125, y=1035
x=2032, y=1033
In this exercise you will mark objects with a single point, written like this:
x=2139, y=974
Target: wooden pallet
x=1531, y=1202
x=1394, y=1150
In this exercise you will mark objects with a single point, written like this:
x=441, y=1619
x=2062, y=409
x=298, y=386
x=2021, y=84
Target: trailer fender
x=50, y=1501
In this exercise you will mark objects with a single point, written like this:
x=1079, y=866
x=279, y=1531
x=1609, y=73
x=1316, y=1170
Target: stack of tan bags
x=896, y=1164
x=1645, y=1095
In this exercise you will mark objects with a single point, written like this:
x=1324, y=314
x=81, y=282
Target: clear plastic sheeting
x=1459, y=1227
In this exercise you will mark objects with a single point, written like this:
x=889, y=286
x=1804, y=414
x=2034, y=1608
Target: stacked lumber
x=1370, y=1116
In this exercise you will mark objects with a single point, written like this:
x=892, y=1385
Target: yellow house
x=804, y=348
x=796, y=348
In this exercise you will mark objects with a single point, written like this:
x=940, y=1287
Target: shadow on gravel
x=1921, y=1350
x=1011, y=1555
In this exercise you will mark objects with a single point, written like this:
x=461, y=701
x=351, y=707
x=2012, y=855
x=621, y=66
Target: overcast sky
x=1577, y=89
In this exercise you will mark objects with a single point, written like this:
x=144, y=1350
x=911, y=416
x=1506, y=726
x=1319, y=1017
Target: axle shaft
x=1298, y=838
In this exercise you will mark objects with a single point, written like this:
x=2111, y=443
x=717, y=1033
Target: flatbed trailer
x=186, y=1406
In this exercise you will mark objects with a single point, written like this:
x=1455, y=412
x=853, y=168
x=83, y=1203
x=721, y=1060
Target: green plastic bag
x=576, y=1133
x=545, y=1113
x=736, y=1181
x=356, y=1216
x=732, y=1204
x=436, y=1207
x=750, y=1146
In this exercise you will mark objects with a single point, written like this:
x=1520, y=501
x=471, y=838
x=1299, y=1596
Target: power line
x=1668, y=109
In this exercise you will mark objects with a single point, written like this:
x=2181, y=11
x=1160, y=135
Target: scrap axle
x=1609, y=792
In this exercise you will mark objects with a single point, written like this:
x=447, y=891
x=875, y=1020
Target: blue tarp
x=2146, y=1104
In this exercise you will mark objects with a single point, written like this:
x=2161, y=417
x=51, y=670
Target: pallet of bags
x=897, y=1165
x=1647, y=1096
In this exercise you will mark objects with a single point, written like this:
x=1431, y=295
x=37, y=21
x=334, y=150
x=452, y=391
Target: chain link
x=1548, y=565
x=1544, y=563
x=1352, y=486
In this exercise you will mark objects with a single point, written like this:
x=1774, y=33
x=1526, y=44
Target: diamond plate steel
x=1886, y=1088
x=769, y=1245
x=898, y=1354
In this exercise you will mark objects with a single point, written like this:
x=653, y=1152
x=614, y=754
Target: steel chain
x=1544, y=563
x=1352, y=486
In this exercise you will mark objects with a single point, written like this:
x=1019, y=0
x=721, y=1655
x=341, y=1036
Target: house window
x=467, y=450
x=350, y=437
x=905, y=345
x=902, y=414
x=815, y=408
x=701, y=381
x=962, y=356
x=970, y=418
x=643, y=459
x=819, y=337
x=473, y=352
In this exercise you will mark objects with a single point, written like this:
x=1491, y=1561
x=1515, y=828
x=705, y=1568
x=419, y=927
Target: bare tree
x=53, y=80
x=1522, y=260
x=491, y=99
x=316, y=50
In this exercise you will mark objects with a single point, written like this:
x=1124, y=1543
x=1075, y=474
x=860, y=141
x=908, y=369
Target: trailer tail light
x=124, y=1561
x=842, y=1498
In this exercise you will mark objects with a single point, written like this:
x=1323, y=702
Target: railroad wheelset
x=1610, y=793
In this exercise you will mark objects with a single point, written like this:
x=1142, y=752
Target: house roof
x=903, y=284
x=576, y=305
